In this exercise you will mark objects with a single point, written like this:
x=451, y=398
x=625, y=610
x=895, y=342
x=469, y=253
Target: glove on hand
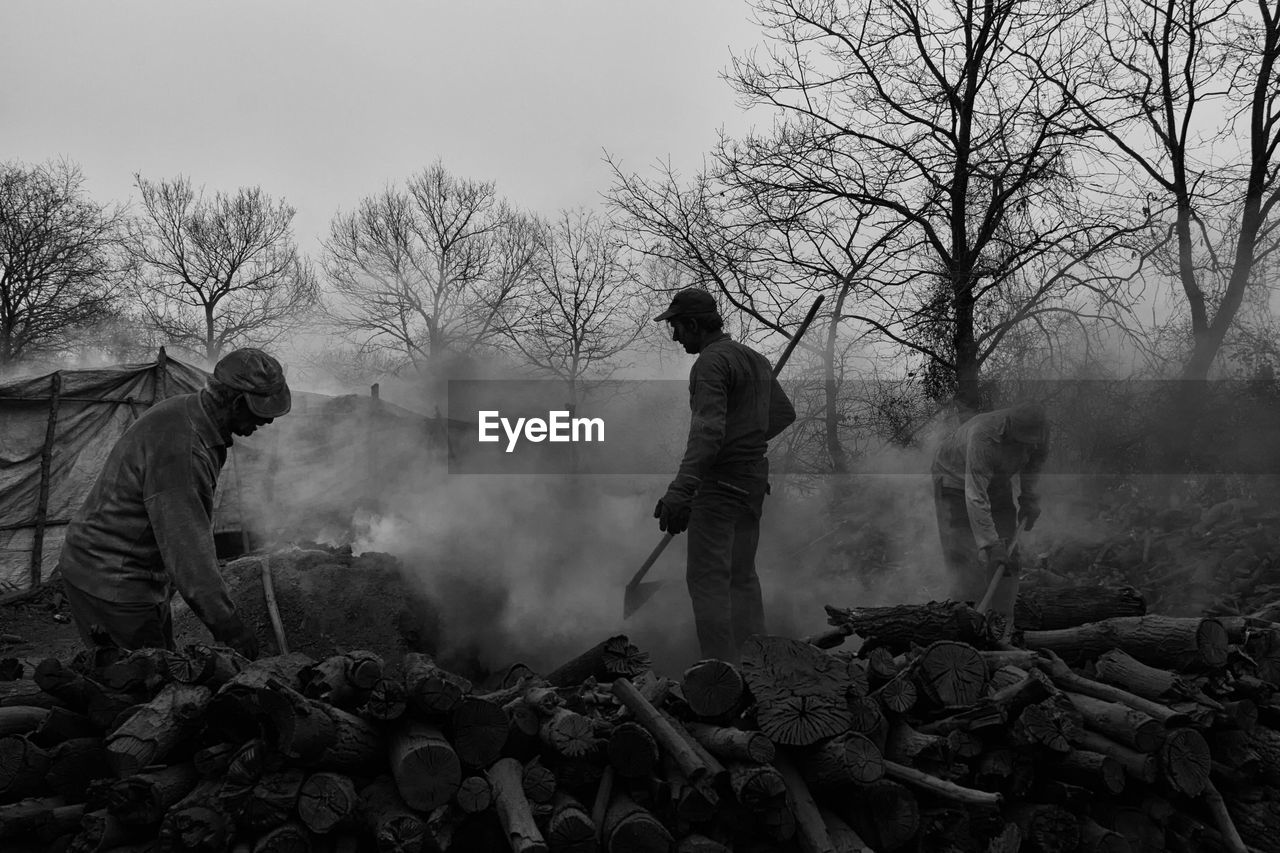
x=240, y=638
x=674, y=507
x=672, y=519
x=1028, y=512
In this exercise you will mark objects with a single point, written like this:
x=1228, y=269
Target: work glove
x=673, y=517
x=675, y=506
x=240, y=638
x=1028, y=512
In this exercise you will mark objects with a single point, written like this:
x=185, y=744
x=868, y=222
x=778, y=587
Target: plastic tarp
x=306, y=475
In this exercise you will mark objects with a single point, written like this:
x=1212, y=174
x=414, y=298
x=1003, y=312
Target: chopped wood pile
x=1136, y=732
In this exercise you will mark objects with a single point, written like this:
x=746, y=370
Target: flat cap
x=259, y=377
x=689, y=302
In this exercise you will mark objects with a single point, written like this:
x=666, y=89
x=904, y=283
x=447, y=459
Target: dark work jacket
x=147, y=523
x=737, y=406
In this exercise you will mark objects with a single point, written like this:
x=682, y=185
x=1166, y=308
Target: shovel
x=637, y=593
x=999, y=573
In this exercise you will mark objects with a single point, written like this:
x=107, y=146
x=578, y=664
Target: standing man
x=146, y=527
x=718, y=494
x=973, y=495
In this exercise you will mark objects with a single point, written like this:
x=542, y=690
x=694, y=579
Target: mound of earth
x=329, y=601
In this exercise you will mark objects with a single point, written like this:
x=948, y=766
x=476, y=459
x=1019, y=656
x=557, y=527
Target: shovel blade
x=635, y=597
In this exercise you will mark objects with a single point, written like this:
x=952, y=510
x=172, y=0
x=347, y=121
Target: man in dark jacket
x=718, y=494
x=973, y=473
x=146, y=526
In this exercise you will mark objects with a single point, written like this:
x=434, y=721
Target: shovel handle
x=998, y=574
x=653, y=558
x=777, y=368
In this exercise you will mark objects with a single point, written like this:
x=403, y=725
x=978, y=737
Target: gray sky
x=325, y=101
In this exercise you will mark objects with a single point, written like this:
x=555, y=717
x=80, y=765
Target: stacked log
x=1131, y=733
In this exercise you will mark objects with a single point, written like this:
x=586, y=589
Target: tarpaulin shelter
x=310, y=471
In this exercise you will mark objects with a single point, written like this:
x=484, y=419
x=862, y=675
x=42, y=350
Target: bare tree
x=582, y=310
x=1187, y=95
x=221, y=272
x=935, y=120
x=428, y=270
x=59, y=259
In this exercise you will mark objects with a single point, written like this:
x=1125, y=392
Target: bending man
x=718, y=494
x=146, y=527
x=973, y=471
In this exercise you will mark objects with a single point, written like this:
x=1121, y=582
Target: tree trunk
x=327, y=801
x=42, y=819
x=712, y=688
x=475, y=794
x=143, y=799
x=1094, y=770
x=668, y=738
x=628, y=828
x=395, y=828
x=539, y=782
x=1119, y=722
x=426, y=769
x=843, y=838
x=1181, y=643
x=506, y=777
x=1053, y=609
x=387, y=700
x=23, y=767
x=756, y=786
x=21, y=719
x=633, y=752
x=810, y=827
x=791, y=717
x=733, y=744
x=951, y=673
x=1138, y=766
x=343, y=680
x=1124, y=671
x=73, y=762
x=568, y=733
x=480, y=731
x=432, y=690
x=274, y=800
x=570, y=829
x=1185, y=761
x=613, y=658
x=198, y=823
x=885, y=813
x=1045, y=828
x=900, y=626
x=153, y=730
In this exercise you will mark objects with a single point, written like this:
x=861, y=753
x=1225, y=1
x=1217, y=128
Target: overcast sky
x=325, y=101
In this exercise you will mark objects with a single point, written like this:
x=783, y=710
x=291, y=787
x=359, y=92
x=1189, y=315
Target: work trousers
x=126, y=625
x=968, y=573
x=724, y=531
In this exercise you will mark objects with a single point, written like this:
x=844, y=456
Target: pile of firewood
x=1106, y=729
x=1135, y=733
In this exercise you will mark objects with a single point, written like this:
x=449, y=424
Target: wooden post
x=161, y=390
x=46, y=462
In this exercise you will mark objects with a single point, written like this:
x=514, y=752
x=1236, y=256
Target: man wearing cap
x=718, y=493
x=973, y=471
x=146, y=527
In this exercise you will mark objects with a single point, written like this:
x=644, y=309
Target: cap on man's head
x=1027, y=423
x=259, y=377
x=688, y=303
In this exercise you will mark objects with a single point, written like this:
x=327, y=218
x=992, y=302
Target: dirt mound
x=329, y=601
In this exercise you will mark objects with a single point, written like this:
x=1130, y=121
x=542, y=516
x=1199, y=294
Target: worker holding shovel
x=973, y=473
x=718, y=494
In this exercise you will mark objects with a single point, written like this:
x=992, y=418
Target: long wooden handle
x=996, y=575
x=777, y=368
